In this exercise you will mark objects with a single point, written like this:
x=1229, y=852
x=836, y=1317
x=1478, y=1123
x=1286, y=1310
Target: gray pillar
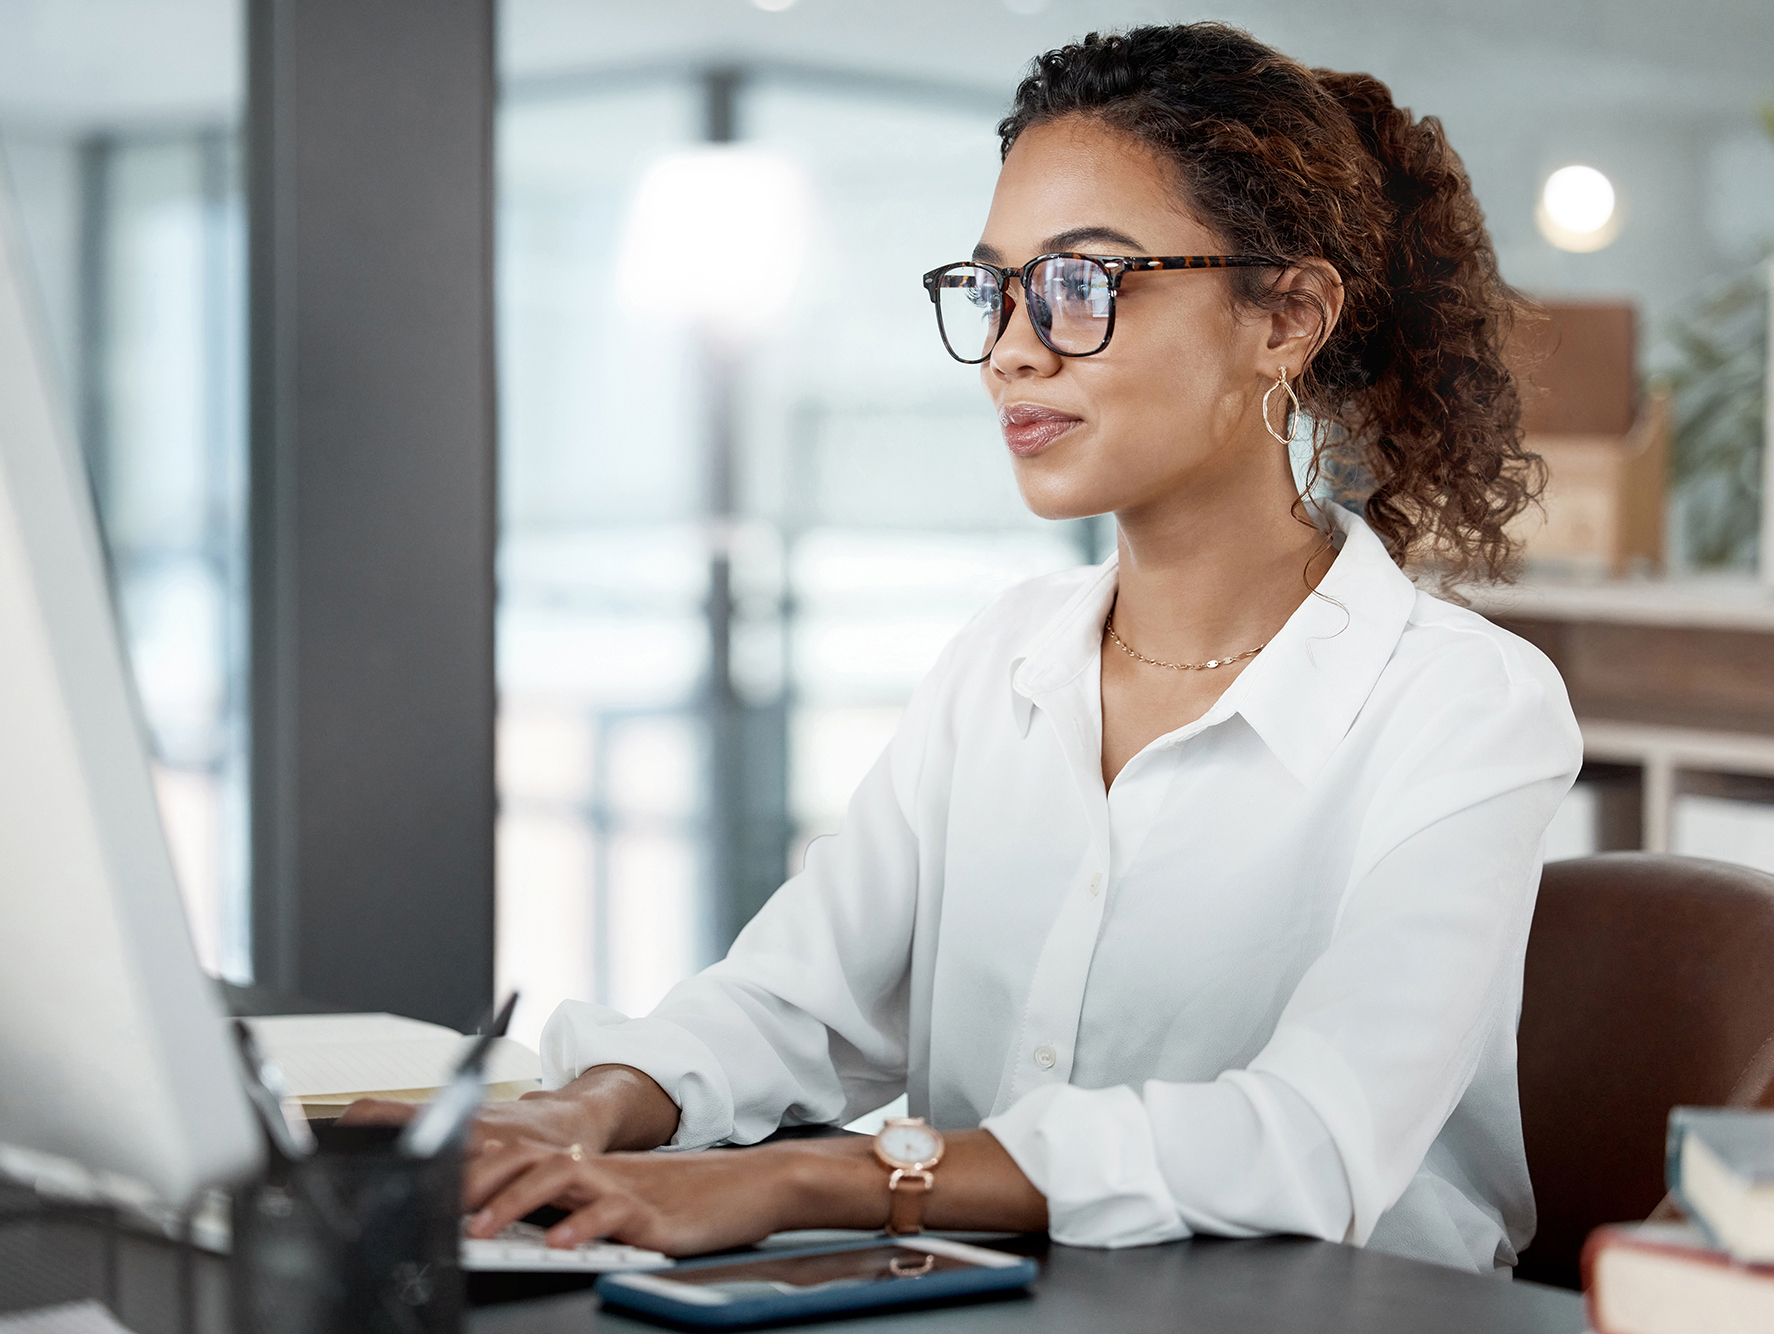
x=370, y=193
x=748, y=742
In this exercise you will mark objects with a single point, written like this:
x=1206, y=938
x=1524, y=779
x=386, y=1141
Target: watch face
x=908, y=1144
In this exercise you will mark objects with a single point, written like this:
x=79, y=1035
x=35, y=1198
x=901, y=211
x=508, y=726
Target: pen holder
x=356, y=1239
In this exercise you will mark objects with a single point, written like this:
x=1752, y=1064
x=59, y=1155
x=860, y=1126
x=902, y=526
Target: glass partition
x=872, y=454
x=725, y=563
x=118, y=144
x=601, y=640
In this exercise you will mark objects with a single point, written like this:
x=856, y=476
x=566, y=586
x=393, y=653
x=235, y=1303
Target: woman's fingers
x=489, y=1172
x=679, y=1204
x=613, y=1215
x=530, y=1177
x=377, y=1112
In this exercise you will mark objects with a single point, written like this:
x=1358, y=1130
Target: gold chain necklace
x=1109, y=625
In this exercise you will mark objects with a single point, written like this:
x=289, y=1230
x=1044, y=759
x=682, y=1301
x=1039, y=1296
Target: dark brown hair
x=1411, y=391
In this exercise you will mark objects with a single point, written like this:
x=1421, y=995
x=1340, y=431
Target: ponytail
x=1410, y=390
x=1431, y=398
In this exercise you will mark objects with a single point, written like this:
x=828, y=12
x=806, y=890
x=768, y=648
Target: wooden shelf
x=1671, y=678
x=1715, y=602
x=1694, y=653
x=1664, y=755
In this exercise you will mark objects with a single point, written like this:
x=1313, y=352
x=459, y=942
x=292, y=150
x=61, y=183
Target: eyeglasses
x=1071, y=298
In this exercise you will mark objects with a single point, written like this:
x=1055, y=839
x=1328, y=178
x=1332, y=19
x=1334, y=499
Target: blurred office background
x=119, y=137
x=735, y=529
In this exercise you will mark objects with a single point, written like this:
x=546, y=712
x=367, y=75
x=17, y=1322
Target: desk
x=1263, y=1286
x=1228, y=1287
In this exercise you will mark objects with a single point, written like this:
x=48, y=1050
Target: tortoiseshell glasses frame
x=1085, y=287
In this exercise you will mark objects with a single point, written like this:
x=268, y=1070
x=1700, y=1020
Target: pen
x=451, y=1109
x=283, y=1118
x=498, y=1021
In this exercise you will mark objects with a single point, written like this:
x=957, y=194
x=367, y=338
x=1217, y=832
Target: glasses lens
x=969, y=307
x=1069, y=301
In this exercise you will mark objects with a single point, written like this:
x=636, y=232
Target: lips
x=1030, y=428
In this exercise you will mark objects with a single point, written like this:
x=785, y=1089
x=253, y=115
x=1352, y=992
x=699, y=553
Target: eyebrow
x=1070, y=239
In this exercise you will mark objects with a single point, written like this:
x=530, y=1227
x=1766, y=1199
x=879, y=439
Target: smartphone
x=786, y=1285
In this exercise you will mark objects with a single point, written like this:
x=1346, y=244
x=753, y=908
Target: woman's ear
x=1311, y=295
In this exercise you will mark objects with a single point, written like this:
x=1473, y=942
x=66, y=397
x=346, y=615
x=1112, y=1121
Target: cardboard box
x=1606, y=447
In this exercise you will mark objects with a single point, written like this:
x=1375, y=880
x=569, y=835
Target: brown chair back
x=1649, y=983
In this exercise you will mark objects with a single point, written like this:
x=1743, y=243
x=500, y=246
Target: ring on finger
x=576, y=1152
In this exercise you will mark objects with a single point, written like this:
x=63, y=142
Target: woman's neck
x=1209, y=576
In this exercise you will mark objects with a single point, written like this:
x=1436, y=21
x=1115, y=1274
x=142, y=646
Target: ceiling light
x=773, y=6
x=1577, y=209
x=715, y=235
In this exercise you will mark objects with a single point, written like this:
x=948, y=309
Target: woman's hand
x=678, y=1203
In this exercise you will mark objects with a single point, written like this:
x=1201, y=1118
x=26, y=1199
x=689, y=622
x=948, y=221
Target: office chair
x=1649, y=983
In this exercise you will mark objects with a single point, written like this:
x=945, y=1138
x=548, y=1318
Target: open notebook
x=331, y=1060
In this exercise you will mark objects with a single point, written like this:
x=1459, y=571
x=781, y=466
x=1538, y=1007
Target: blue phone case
x=622, y=1291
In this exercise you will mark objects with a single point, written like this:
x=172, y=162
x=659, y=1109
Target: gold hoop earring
x=1289, y=415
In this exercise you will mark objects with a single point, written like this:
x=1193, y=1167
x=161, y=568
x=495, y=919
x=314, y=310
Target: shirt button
x=1096, y=884
x=1045, y=1056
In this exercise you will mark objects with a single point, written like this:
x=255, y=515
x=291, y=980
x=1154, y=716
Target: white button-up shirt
x=1267, y=982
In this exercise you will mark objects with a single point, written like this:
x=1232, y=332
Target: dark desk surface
x=1229, y=1287
x=1264, y=1286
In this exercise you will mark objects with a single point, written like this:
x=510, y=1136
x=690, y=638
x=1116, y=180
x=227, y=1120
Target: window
x=118, y=144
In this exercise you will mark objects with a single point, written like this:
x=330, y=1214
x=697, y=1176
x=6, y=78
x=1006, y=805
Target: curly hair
x=1410, y=391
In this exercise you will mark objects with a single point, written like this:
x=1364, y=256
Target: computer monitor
x=114, y=1050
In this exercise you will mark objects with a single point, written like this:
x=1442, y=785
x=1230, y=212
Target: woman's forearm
x=840, y=1183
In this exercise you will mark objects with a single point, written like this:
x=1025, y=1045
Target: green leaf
x=1719, y=389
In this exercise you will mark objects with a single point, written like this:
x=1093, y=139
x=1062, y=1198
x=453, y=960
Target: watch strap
x=906, y=1190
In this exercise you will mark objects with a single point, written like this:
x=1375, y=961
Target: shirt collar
x=1302, y=693
x=1064, y=647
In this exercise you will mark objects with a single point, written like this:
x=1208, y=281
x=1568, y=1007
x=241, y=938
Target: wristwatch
x=908, y=1148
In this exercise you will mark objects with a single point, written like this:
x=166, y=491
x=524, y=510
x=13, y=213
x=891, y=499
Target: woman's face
x=1170, y=406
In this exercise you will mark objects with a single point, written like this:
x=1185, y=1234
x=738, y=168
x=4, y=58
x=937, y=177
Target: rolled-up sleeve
x=1323, y=1131
x=805, y=1021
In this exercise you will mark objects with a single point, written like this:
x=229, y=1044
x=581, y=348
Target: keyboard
x=520, y=1249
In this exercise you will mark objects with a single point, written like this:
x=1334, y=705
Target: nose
x=1019, y=349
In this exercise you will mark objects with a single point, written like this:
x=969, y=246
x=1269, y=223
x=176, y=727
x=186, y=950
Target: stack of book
x=1713, y=1274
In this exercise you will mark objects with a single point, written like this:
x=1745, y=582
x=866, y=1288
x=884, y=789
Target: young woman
x=1193, y=892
